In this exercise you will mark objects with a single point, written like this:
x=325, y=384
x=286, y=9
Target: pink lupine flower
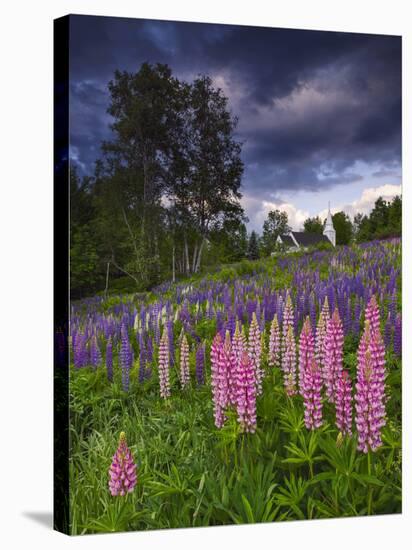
x=370, y=390
x=255, y=351
x=321, y=334
x=288, y=321
x=218, y=381
x=311, y=392
x=274, y=343
x=122, y=471
x=239, y=344
x=306, y=351
x=184, y=362
x=372, y=314
x=343, y=403
x=229, y=359
x=164, y=379
x=246, y=393
x=289, y=363
x=333, y=355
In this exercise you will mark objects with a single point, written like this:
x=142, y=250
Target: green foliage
x=313, y=225
x=276, y=224
x=343, y=227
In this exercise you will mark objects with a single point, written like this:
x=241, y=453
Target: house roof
x=286, y=239
x=304, y=239
x=309, y=239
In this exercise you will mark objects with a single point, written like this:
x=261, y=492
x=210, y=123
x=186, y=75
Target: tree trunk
x=106, y=288
x=173, y=265
x=187, y=257
x=199, y=256
x=194, y=259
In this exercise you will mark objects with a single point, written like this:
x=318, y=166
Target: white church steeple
x=329, y=230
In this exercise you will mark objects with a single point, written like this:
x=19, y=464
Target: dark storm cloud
x=310, y=104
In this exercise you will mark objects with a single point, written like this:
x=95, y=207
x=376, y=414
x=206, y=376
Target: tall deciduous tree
x=343, y=227
x=276, y=224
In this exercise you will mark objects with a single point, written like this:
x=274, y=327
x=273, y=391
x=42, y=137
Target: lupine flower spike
x=164, y=376
x=289, y=363
x=122, y=471
x=184, y=362
x=274, y=343
x=255, y=351
x=343, y=404
x=311, y=391
x=306, y=351
x=333, y=355
x=246, y=394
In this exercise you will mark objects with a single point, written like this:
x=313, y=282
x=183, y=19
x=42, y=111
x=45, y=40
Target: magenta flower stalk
x=311, y=392
x=229, y=360
x=218, y=380
x=343, y=403
x=274, y=343
x=255, y=351
x=370, y=390
x=164, y=375
x=321, y=334
x=306, y=351
x=246, y=394
x=184, y=362
x=122, y=471
x=333, y=355
x=372, y=314
x=289, y=363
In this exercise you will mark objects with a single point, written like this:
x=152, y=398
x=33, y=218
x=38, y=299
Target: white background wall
x=26, y=272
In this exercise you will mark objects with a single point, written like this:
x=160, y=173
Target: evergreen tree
x=253, y=247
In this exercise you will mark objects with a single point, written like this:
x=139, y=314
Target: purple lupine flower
x=126, y=358
x=171, y=342
x=343, y=403
x=218, y=380
x=184, y=362
x=122, y=471
x=306, y=351
x=397, y=336
x=311, y=392
x=255, y=351
x=289, y=363
x=388, y=331
x=246, y=393
x=200, y=364
x=80, y=351
x=274, y=343
x=333, y=355
x=95, y=353
x=370, y=390
x=164, y=377
x=109, y=359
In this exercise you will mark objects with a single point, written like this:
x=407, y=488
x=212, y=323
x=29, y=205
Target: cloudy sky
x=319, y=112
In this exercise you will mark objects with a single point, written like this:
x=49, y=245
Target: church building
x=301, y=240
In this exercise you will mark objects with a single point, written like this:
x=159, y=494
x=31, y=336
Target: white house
x=297, y=240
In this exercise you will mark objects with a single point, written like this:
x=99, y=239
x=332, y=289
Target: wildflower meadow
x=267, y=391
